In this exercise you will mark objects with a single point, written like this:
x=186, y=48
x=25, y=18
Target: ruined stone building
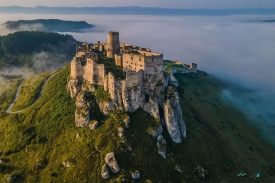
x=145, y=85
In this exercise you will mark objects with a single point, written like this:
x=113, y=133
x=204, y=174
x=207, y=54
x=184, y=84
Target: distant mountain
x=50, y=25
x=133, y=10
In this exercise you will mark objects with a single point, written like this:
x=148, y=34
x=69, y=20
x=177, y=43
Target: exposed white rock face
x=152, y=109
x=135, y=175
x=106, y=107
x=12, y=178
x=178, y=169
x=2, y=161
x=155, y=132
x=127, y=122
x=74, y=87
x=67, y=164
x=82, y=117
x=161, y=146
x=105, y=172
x=173, y=116
x=120, y=131
x=201, y=171
x=173, y=80
x=77, y=135
x=93, y=125
x=124, y=95
x=111, y=162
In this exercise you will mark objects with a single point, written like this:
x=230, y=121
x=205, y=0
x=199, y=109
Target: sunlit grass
x=218, y=138
x=30, y=90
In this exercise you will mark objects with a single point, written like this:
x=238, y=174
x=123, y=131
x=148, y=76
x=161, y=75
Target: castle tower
x=113, y=45
x=193, y=68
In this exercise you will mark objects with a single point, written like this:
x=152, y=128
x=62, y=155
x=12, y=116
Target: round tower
x=113, y=44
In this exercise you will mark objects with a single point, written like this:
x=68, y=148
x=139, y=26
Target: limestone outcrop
x=93, y=124
x=161, y=142
x=106, y=106
x=74, y=87
x=152, y=109
x=110, y=160
x=156, y=131
x=127, y=121
x=124, y=95
x=82, y=117
x=135, y=175
x=173, y=116
x=105, y=172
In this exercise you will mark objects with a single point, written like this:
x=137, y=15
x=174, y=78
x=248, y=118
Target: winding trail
x=18, y=91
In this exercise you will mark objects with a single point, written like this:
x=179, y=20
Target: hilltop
x=219, y=139
x=118, y=113
x=52, y=25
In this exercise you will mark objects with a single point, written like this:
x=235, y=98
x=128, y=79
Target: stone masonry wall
x=76, y=68
x=133, y=62
x=94, y=73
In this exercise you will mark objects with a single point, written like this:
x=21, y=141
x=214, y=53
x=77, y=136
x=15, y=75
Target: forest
x=51, y=25
x=16, y=49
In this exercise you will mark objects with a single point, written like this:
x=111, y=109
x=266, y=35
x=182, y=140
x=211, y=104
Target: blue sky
x=149, y=3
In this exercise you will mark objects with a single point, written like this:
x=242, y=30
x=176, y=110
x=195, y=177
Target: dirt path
x=18, y=92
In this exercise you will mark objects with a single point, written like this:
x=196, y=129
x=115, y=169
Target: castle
x=139, y=64
x=143, y=84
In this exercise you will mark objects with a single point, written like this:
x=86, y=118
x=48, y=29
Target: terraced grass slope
x=219, y=139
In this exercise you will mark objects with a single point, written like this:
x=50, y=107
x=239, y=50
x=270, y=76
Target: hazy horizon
x=145, y=3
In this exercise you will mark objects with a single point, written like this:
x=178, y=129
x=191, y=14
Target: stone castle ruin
x=145, y=86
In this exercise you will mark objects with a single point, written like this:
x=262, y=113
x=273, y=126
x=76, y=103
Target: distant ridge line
x=136, y=10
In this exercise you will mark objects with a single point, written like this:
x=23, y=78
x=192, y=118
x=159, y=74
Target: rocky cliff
x=82, y=116
x=173, y=116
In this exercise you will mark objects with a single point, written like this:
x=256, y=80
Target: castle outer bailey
x=145, y=84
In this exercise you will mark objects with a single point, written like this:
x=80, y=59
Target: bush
x=102, y=95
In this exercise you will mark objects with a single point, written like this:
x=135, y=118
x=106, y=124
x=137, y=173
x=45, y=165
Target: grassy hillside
x=30, y=90
x=219, y=139
x=7, y=93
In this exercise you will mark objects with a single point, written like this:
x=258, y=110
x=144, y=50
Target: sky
x=147, y=3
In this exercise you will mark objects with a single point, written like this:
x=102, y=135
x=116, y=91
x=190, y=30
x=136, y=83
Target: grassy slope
x=171, y=65
x=7, y=93
x=224, y=143
x=30, y=90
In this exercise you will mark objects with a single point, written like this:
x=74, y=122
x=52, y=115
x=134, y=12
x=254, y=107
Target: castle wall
x=76, y=68
x=135, y=62
x=153, y=65
x=118, y=60
x=94, y=73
